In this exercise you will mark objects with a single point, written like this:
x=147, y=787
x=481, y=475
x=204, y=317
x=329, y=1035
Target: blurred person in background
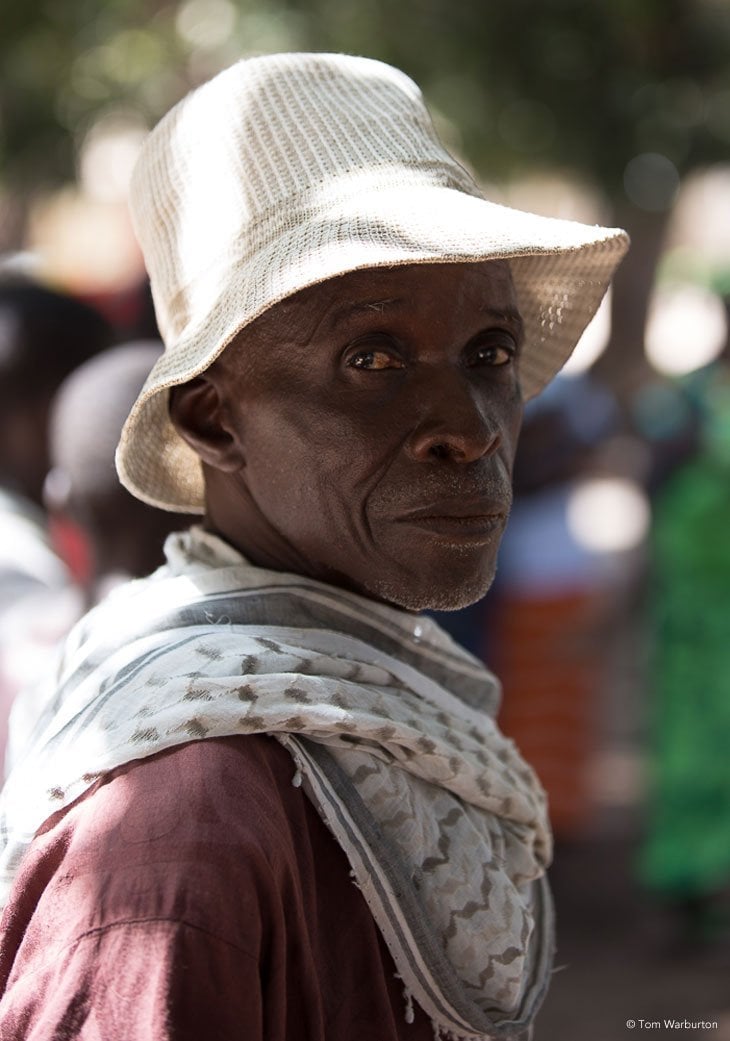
x=686, y=853
x=351, y=329
x=124, y=537
x=552, y=597
x=44, y=335
x=118, y=537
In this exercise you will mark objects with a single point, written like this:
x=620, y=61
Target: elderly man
x=350, y=332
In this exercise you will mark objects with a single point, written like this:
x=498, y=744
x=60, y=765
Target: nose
x=454, y=425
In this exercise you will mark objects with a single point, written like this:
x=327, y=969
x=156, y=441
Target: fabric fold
x=444, y=825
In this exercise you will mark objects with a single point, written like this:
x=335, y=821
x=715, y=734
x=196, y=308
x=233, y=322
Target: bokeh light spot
x=609, y=514
x=593, y=342
x=206, y=23
x=687, y=328
x=651, y=181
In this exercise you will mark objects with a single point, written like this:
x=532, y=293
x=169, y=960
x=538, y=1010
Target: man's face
x=377, y=416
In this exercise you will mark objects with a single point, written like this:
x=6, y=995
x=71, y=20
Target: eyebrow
x=509, y=316
x=363, y=306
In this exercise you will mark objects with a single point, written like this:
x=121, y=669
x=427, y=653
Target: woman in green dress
x=686, y=854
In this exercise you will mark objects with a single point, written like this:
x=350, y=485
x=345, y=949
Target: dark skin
x=363, y=432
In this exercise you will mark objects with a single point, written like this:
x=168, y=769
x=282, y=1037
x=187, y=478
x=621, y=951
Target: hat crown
x=292, y=169
x=238, y=159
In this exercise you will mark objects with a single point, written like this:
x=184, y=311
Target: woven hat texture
x=290, y=169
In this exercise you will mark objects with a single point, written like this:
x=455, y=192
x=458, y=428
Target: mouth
x=460, y=522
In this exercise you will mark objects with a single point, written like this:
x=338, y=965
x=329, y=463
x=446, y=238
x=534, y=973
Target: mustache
x=491, y=484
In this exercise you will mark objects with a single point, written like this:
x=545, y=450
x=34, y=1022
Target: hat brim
x=561, y=270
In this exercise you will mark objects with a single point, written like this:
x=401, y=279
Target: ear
x=198, y=414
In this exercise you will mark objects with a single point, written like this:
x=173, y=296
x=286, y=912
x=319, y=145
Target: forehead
x=408, y=290
x=486, y=282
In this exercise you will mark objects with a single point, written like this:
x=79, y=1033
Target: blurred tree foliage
x=627, y=94
x=580, y=84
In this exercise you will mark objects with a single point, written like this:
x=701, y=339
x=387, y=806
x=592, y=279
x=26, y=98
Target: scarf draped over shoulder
x=392, y=734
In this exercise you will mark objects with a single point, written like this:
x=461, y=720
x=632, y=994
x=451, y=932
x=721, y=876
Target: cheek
x=512, y=426
x=310, y=458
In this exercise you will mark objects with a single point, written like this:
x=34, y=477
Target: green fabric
x=687, y=848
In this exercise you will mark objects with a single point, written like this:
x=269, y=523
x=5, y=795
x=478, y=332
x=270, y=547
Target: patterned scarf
x=391, y=729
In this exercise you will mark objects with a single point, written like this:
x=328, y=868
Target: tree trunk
x=14, y=209
x=623, y=365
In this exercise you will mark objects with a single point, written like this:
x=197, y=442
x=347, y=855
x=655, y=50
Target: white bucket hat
x=290, y=169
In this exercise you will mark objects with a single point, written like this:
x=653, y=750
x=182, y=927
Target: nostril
x=444, y=446
x=439, y=451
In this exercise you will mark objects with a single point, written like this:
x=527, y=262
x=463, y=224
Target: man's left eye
x=493, y=354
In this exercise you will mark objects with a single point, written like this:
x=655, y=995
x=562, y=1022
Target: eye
x=374, y=359
x=499, y=352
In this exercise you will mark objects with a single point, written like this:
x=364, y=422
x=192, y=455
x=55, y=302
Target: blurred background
x=609, y=623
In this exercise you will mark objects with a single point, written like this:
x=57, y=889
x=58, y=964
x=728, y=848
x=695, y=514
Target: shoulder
x=218, y=793
x=239, y=786
x=198, y=883
x=173, y=837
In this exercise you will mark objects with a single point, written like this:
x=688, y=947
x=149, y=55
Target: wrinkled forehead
x=484, y=283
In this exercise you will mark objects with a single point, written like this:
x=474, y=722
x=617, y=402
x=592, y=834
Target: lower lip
x=460, y=530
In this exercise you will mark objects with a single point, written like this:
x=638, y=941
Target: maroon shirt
x=195, y=896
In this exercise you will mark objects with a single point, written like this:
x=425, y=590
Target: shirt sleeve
x=195, y=896
x=139, y=981
x=153, y=908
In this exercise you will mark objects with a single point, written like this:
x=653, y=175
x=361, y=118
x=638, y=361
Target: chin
x=419, y=594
